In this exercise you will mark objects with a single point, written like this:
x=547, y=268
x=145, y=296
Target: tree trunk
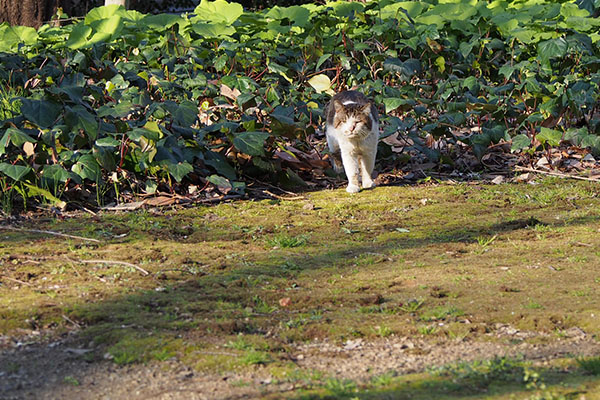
x=28, y=12
x=124, y=3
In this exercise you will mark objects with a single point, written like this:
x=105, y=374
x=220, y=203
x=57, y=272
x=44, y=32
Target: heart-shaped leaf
x=87, y=168
x=251, y=143
x=218, y=11
x=42, y=113
x=15, y=172
x=321, y=83
x=520, y=142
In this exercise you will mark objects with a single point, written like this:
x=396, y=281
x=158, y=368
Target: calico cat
x=352, y=134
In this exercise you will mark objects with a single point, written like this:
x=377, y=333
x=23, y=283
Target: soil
x=57, y=370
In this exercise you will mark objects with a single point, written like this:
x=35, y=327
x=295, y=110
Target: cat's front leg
x=367, y=164
x=351, y=167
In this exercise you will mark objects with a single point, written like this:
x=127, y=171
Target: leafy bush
x=127, y=100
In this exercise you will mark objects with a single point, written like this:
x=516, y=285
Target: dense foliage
x=122, y=99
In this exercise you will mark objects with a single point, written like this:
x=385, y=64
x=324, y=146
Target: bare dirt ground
x=323, y=297
x=57, y=370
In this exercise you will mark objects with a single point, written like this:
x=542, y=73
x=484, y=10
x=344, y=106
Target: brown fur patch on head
x=351, y=104
x=360, y=114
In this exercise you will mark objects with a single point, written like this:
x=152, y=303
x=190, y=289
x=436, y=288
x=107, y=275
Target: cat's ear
x=366, y=109
x=338, y=107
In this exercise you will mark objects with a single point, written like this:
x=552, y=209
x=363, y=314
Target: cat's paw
x=368, y=185
x=352, y=189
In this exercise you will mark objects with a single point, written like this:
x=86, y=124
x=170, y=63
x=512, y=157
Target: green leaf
x=56, y=173
x=520, y=142
x=108, y=142
x=87, y=168
x=17, y=137
x=548, y=136
x=220, y=182
x=251, y=143
x=37, y=191
x=284, y=115
x=552, y=48
x=186, y=113
x=179, y=170
x=11, y=36
x=576, y=135
x=213, y=30
x=323, y=58
x=347, y=9
x=161, y=21
x=78, y=36
x=219, y=163
x=79, y=118
x=440, y=62
x=218, y=11
x=392, y=103
x=395, y=10
x=15, y=172
x=297, y=15
x=104, y=12
x=105, y=158
x=43, y=113
x=105, y=30
x=279, y=69
x=26, y=34
x=572, y=10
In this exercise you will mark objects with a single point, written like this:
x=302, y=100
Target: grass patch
x=224, y=297
x=590, y=365
x=284, y=241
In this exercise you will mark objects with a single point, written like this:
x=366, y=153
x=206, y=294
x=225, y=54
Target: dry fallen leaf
x=160, y=201
x=498, y=180
x=230, y=93
x=29, y=149
x=284, y=302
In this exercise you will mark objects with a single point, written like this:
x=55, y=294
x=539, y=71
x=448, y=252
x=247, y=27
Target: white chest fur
x=357, y=148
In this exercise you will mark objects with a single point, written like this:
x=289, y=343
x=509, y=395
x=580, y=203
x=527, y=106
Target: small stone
x=353, y=344
x=300, y=357
x=589, y=158
x=542, y=162
x=575, y=332
x=308, y=206
x=524, y=177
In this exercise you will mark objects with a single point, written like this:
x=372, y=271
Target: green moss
x=231, y=274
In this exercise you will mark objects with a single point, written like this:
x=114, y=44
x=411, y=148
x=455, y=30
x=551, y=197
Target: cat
x=352, y=131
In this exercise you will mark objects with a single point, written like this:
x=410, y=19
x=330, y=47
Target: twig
x=142, y=270
x=72, y=263
x=273, y=186
x=71, y=321
x=220, y=198
x=88, y=211
x=15, y=280
x=13, y=228
x=217, y=353
x=559, y=174
x=283, y=197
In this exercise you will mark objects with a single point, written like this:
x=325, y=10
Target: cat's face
x=353, y=120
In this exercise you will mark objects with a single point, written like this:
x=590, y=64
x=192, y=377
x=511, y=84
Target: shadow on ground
x=189, y=313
